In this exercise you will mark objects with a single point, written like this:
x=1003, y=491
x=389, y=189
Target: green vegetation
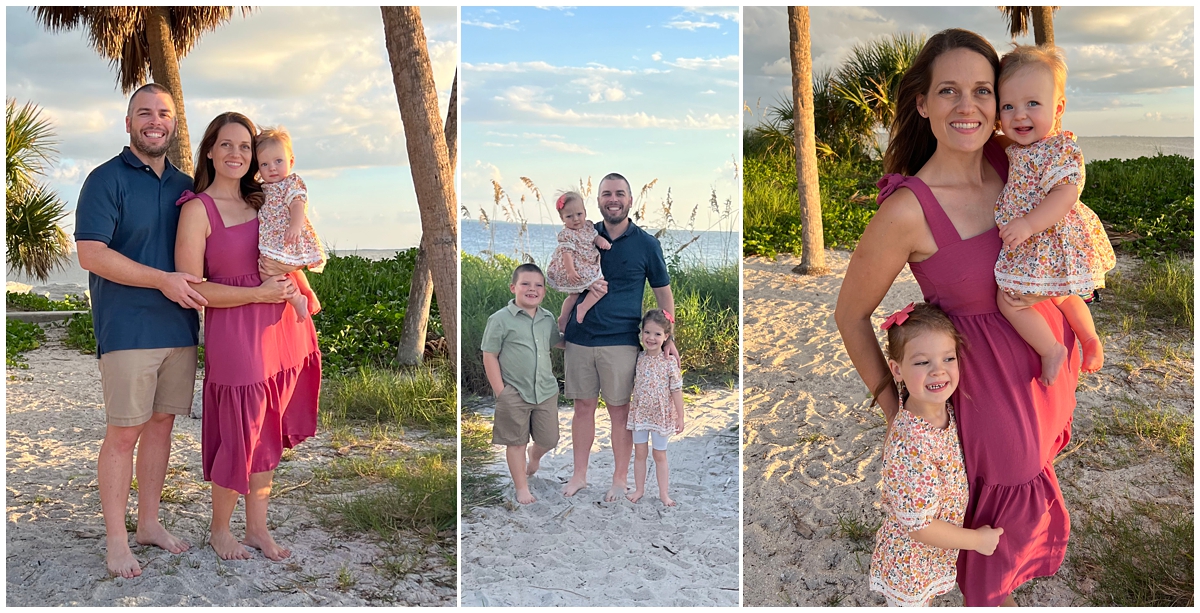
x=1140, y=558
x=480, y=487
x=80, y=333
x=1150, y=199
x=421, y=493
x=17, y=301
x=1160, y=290
x=421, y=397
x=35, y=244
x=21, y=337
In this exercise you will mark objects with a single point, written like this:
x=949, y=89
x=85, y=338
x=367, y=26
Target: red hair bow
x=562, y=201
x=897, y=318
x=670, y=317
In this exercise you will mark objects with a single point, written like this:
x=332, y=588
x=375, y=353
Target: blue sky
x=1131, y=69
x=559, y=95
x=321, y=72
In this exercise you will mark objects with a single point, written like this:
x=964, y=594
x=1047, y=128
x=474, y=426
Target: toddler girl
x=924, y=489
x=656, y=408
x=1054, y=245
x=575, y=265
x=284, y=233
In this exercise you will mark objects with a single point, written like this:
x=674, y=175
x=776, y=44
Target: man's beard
x=614, y=220
x=141, y=145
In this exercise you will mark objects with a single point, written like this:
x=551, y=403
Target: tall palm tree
x=812, y=257
x=428, y=156
x=35, y=244
x=1019, y=18
x=420, y=292
x=137, y=39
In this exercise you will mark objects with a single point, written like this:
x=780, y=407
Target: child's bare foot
x=573, y=486
x=562, y=322
x=532, y=464
x=1093, y=354
x=264, y=543
x=581, y=312
x=314, y=305
x=666, y=500
x=615, y=493
x=300, y=304
x=227, y=547
x=120, y=560
x=153, y=533
x=635, y=496
x=1053, y=363
x=525, y=497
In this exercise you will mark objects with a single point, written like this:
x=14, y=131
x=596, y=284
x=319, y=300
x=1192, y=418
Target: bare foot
x=120, y=560
x=531, y=464
x=227, y=547
x=666, y=500
x=300, y=305
x=314, y=305
x=574, y=486
x=562, y=322
x=580, y=313
x=1093, y=354
x=152, y=533
x=1053, y=363
x=635, y=496
x=525, y=497
x=615, y=493
x=267, y=545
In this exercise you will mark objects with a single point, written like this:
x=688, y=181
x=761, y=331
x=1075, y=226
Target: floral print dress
x=923, y=480
x=650, y=408
x=581, y=244
x=273, y=218
x=1071, y=256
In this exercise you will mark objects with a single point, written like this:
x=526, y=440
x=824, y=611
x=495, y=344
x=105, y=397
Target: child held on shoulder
x=516, y=357
x=1054, y=245
x=285, y=235
x=924, y=489
x=575, y=265
x=656, y=407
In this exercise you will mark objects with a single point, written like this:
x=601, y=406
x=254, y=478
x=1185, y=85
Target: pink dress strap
x=215, y=222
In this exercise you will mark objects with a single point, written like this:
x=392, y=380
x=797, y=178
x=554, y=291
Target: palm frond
x=29, y=144
x=34, y=242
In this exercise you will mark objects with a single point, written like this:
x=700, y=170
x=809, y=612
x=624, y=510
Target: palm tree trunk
x=420, y=293
x=428, y=157
x=812, y=257
x=1043, y=25
x=164, y=70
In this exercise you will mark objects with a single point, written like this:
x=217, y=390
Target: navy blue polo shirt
x=635, y=258
x=128, y=207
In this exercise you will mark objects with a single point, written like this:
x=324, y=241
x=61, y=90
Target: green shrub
x=424, y=397
x=1151, y=197
x=80, y=333
x=20, y=337
x=34, y=302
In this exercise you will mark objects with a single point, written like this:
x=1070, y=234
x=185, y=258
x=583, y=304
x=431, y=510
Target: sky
x=560, y=95
x=1131, y=70
x=323, y=73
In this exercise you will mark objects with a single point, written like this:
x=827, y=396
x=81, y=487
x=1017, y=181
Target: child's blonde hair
x=923, y=318
x=661, y=318
x=566, y=198
x=1048, y=57
x=277, y=134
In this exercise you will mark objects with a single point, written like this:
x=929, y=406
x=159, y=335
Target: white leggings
x=641, y=437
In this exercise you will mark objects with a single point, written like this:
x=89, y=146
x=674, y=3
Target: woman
x=262, y=368
x=942, y=224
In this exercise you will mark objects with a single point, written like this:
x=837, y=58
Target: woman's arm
x=189, y=258
x=885, y=246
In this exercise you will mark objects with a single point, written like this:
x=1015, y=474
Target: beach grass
x=21, y=336
x=859, y=530
x=1141, y=557
x=1161, y=290
x=1157, y=429
x=480, y=486
x=418, y=492
x=421, y=397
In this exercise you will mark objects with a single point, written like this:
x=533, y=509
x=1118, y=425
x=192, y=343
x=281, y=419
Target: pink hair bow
x=560, y=203
x=888, y=184
x=670, y=317
x=897, y=318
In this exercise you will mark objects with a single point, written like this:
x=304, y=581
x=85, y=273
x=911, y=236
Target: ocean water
x=709, y=249
x=1130, y=147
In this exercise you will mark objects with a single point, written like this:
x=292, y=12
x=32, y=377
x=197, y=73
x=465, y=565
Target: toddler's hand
x=292, y=236
x=603, y=243
x=989, y=537
x=573, y=278
x=1015, y=232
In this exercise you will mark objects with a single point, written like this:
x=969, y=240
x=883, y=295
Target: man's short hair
x=526, y=268
x=149, y=87
x=613, y=176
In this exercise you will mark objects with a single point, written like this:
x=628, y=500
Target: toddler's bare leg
x=299, y=300
x=662, y=472
x=515, y=454
x=1080, y=317
x=1034, y=329
x=640, y=452
x=585, y=306
x=301, y=281
x=565, y=312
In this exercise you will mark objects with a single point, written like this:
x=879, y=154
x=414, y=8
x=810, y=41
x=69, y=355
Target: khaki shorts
x=516, y=420
x=600, y=372
x=139, y=382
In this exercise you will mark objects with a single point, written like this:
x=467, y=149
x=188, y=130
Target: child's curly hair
x=923, y=318
x=661, y=318
x=276, y=134
x=566, y=198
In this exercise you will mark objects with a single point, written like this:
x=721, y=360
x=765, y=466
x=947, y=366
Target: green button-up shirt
x=522, y=344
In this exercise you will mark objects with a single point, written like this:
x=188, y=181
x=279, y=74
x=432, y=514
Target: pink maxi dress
x=262, y=368
x=1011, y=426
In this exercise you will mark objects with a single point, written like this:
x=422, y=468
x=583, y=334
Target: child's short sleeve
x=1062, y=163
x=296, y=188
x=910, y=480
x=674, y=377
x=493, y=334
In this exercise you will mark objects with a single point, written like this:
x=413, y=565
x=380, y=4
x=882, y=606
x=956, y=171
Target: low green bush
x=21, y=336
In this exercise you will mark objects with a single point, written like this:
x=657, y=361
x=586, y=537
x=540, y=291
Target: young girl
x=656, y=409
x=575, y=265
x=924, y=482
x=1054, y=245
x=284, y=233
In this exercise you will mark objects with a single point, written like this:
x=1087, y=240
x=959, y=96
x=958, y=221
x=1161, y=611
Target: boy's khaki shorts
x=600, y=372
x=140, y=382
x=516, y=420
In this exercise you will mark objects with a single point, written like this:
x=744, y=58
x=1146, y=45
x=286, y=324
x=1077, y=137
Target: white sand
x=55, y=531
x=582, y=551
x=812, y=452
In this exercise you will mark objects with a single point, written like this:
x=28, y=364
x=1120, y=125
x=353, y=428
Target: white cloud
x=566, y=147
x=691, y=26
x=546, y=67
x=487, y=25
x=656, y=56
x=708, y=91
x=729, y=62
x=533, y=100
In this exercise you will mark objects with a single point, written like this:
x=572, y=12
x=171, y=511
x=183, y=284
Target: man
x=145, y=317
x=602, y=352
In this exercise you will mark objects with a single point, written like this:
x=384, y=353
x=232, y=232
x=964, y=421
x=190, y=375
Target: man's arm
x=96, y=257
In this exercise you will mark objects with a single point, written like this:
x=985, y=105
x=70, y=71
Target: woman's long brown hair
x=250, y=190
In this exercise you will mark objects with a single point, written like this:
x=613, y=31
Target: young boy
x=516, y=357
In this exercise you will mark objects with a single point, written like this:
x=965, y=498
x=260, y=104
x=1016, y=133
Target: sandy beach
x=582, y=551
x=55, y=531
x=812, y=445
